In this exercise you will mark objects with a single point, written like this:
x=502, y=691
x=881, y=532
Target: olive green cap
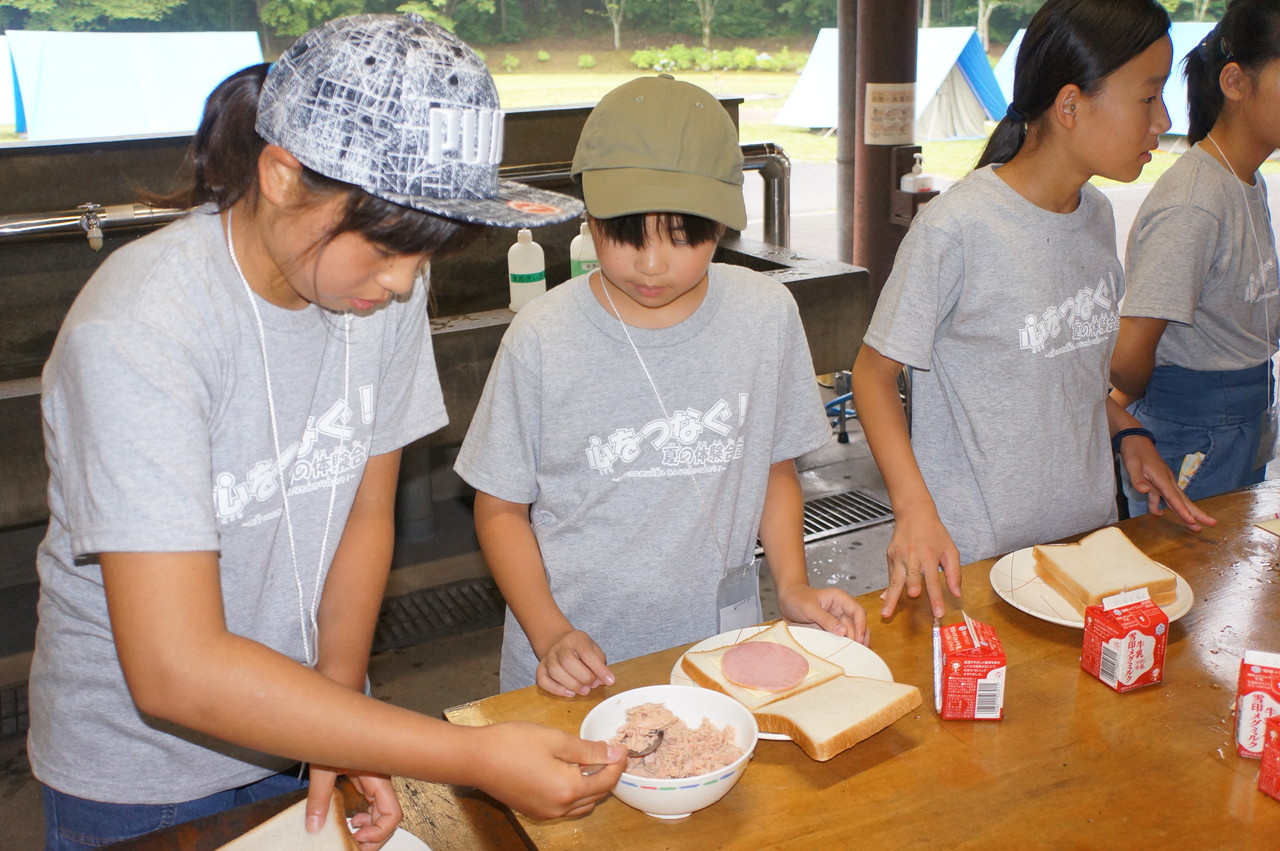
x=660, y=145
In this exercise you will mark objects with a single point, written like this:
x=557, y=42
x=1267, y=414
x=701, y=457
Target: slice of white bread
x=703, y=667
x=838, y=714
x=1100, y=564
x=287, y=831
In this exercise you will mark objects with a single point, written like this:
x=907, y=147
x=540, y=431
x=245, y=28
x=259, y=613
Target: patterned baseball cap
x=660, y=145
x=406, y=111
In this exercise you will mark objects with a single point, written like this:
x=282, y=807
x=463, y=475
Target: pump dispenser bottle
x=582, y=253
x=917, y=180
x=526, y=270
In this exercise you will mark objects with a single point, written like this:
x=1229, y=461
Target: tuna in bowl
x=706, y=716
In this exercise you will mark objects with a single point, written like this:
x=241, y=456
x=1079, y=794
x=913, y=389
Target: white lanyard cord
x=1257, y=245
x=604, y=287
x=305, y=616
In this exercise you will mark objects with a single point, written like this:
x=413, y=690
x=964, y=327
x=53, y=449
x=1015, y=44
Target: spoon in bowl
x=655, y=739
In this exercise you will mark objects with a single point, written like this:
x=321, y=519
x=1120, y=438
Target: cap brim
x=611, y=192
x=516, y=205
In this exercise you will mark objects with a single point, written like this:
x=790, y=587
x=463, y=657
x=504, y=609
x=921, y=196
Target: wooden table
x=1072, y=765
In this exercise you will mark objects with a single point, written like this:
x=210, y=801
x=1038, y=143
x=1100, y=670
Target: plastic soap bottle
x=582, y=253
x=526, y=270
x=917, y=180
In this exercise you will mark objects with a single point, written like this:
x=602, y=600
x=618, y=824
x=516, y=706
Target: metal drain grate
x=13, y=710
x=838, y=513
x=438, y=611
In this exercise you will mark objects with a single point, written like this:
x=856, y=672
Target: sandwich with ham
x=798, y=694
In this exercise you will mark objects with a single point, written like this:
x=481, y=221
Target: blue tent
x=77, y=85
x=955, y=89
x=1186, y=35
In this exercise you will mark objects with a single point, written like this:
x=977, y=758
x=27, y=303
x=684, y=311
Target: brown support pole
x=846, y=119
x=886, y=53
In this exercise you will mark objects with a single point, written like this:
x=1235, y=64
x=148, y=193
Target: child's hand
x=1150, y=475
x=831, y=609
x=574, y=665
x=375, y=825
x=920, y=544
x=538, y=770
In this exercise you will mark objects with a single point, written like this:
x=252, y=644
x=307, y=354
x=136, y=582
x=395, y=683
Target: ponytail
x=1080, y=42
x=1249, y=35
x=223, y=157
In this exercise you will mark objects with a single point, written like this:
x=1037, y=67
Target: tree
x=616, y=9
x=706, y=13
x=73, y=15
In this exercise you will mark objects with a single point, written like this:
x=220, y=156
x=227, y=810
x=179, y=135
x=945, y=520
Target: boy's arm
x=782, y=533
x=920, y=542
x=1134, y=357
x=569, y=662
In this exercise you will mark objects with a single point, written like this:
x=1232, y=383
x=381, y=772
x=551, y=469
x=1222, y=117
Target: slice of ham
x=764, y=666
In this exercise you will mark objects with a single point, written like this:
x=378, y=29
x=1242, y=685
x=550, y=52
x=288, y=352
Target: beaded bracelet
x=1127, y=432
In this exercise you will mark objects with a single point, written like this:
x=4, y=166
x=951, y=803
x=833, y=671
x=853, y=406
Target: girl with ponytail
x=1004, y=299
x=1200, y=318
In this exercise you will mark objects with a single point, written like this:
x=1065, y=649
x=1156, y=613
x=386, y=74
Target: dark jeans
x=75, y=824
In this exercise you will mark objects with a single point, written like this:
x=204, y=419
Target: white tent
x=1186, y=35
x=7, y=114
x=955, y=90
x=73, y=85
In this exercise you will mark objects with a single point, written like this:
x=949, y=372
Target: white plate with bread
x=844, y=655
x=1055, y=582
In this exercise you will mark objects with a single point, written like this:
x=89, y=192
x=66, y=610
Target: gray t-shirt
x=1007, y=313
x=1206, y=262
x=638, y=513
x=159, y=439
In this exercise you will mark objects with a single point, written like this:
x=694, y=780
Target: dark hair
x=222, y=163
x=1071, y=41
x=1249, y=35
x=629, y=229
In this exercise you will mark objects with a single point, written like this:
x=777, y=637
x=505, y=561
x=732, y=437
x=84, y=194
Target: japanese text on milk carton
x=1257, y=699
x=971, y=662
x=1124, y=640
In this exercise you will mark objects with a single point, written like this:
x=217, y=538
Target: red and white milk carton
x=1269, y=774
x=1257, y=699
x=970, y=666
x=1124, y=640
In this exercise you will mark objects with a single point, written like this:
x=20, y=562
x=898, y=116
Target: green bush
x=645, y=58
x=586, y=61
x=544, y=56
x=510, y=63
x=680, y=57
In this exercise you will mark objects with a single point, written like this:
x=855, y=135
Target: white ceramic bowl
x=679, y=797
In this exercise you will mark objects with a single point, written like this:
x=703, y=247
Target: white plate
x=856, y=659
x=1014, y=578
x=402, y=840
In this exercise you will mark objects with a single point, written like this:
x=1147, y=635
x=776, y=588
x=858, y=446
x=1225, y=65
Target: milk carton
x=1269, y=774
x=970, y=663
x=1257, y=699
x=1124, y=640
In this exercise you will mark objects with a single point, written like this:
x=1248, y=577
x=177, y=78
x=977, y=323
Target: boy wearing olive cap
x=639, y=425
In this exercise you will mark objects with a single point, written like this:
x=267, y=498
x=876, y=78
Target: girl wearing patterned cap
x=224, y=412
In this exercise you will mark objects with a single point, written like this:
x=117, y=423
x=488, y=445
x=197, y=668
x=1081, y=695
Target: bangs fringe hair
x=630, y=230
